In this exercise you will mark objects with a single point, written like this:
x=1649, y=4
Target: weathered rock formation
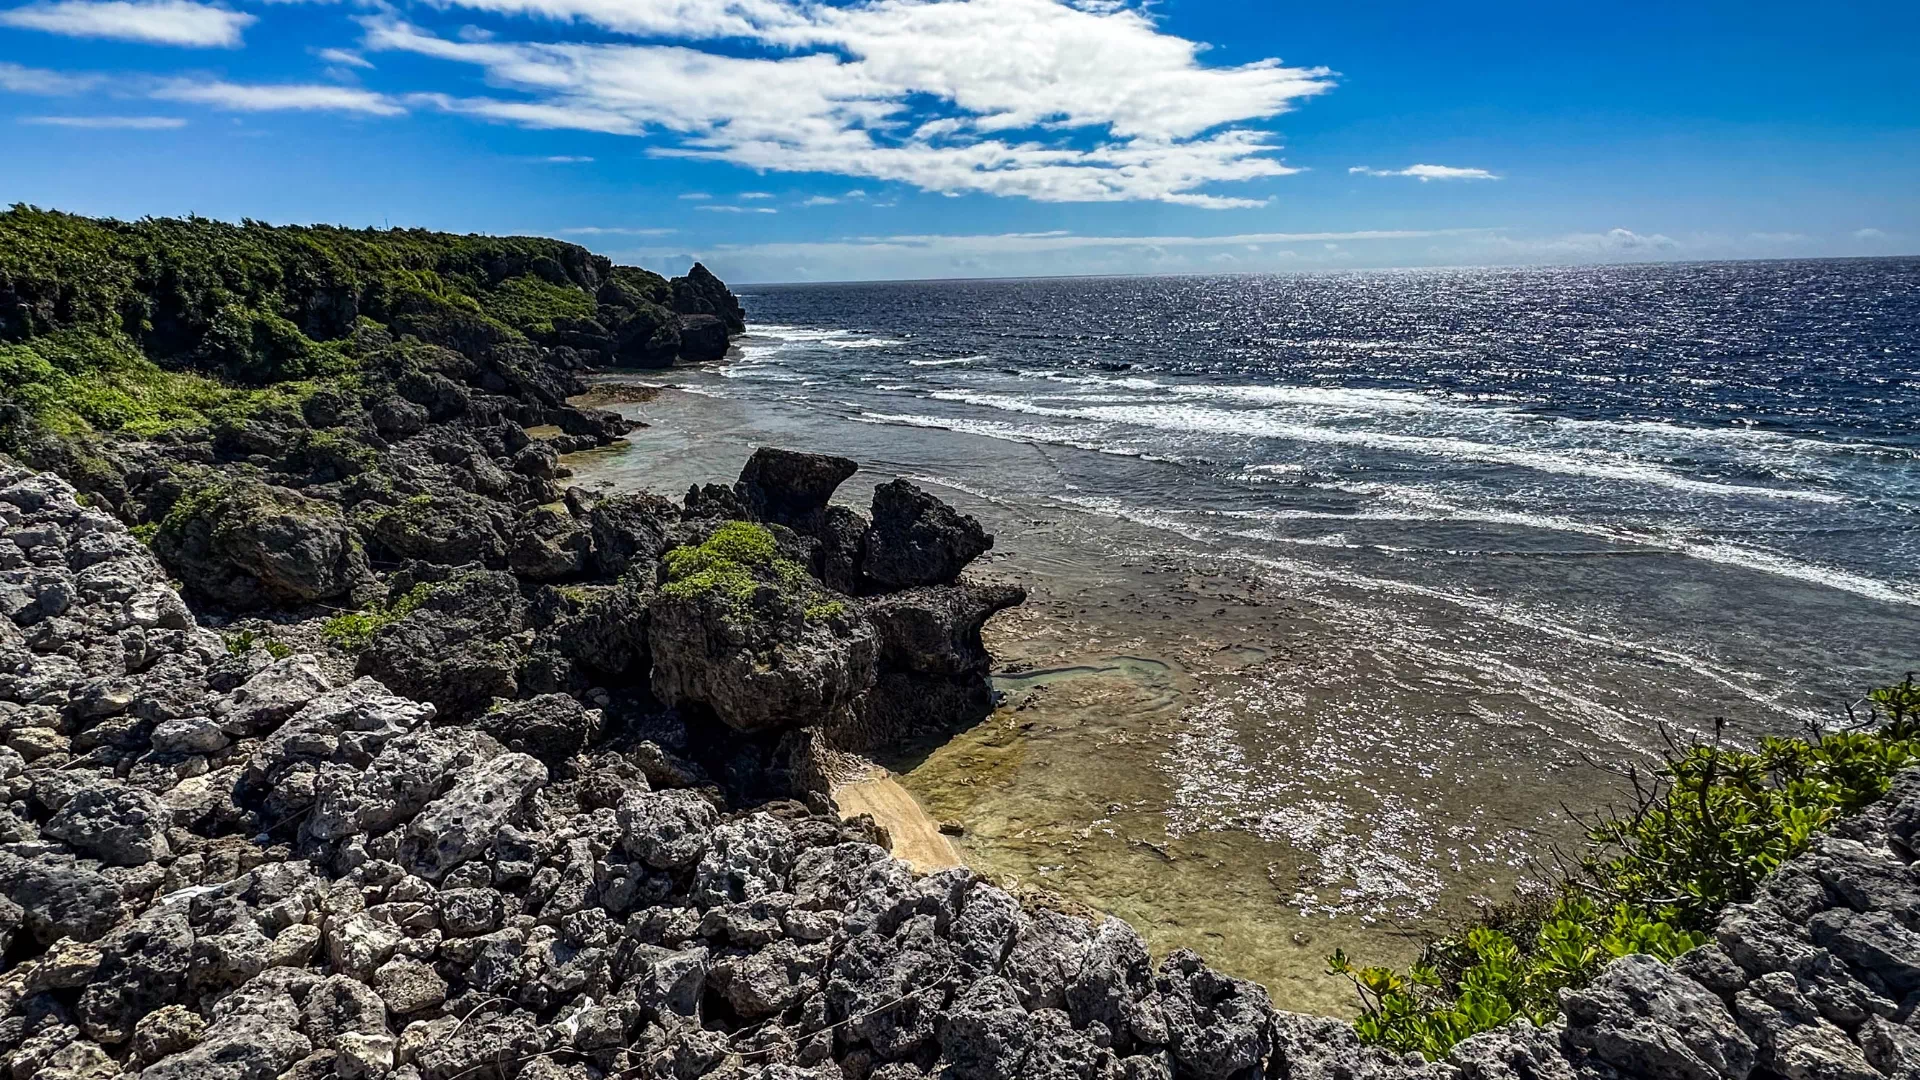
x=219, y=864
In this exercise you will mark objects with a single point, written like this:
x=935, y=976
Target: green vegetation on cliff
x=351, y=631
x=1703, y=833
x=737, y=560
x=734, y=565
x=152, y=327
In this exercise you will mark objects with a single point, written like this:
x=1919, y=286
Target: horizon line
x=1305, y=271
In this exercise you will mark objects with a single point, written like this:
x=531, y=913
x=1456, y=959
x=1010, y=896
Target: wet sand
x=916, y=837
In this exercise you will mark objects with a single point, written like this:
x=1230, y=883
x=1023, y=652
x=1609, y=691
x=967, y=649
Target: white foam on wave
x=806, y=335
x=1786, y=456
x=948, y=361
x=947, y=482
x=1573, y=461
x=1422, y=506
x=1498, y=610
x=1076, y=438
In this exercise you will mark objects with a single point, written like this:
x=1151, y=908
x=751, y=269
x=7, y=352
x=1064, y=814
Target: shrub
x=1701, y=833
x=242, y=642
x=352, y=631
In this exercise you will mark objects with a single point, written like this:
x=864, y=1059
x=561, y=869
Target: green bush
x=352, y=631
x=242, y=642
x=1703, y=833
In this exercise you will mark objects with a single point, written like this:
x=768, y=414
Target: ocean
x=1367, y=577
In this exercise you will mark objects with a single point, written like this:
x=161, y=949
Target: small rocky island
x=341, y=737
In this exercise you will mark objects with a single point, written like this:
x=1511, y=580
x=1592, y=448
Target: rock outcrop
x=221, y=864
x=248, y=545
x=916, y=539
x=790, y=488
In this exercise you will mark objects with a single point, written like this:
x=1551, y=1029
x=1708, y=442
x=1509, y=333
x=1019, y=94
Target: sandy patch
x=916, y=837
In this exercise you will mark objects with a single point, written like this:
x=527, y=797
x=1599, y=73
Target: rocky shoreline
x=222, y=864
x=432, y=767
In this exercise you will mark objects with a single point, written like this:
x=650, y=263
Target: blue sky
x=790, y=140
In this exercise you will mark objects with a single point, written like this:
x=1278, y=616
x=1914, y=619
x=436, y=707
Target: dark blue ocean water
x=1621, y=495
x=1763, y=415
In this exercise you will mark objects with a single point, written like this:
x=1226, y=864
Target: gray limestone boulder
x=464, y=822
x=936, y=630
x=985, y=1034
x=116, y=824
x=269, y=697
x=783, y=657
x=409, y=772
x=744, y=860
x=791, y=488
x=666, y=830
x=1643, y=1018
x=245, y=545
x=1217, y=1026
x=59, y=900
x=551, y=727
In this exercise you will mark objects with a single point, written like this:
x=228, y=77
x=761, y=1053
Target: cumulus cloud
x=1869, y=234
x=18, y=79
x=279, y=97
x=128, y=123
x=1424, y=173
x=720, y=208
x=155, y=22
x=1042, y=99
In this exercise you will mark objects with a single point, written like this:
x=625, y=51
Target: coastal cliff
x=342, y=737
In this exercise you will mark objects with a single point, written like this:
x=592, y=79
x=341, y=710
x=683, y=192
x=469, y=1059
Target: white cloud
x=1034, y=98
x=1602, y=245
x=755, y=195
x=279, y=97
x=991, y=244
x=1869, y=234
x=155, y=22
x=719, y=208
x=820, y=200
x=919, y=255
x=346, y=57
x=25, y=80
x=130, y=123
x=565, y=159
x=1424, y=173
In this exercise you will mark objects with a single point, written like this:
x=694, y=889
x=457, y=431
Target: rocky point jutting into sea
x=342, y=737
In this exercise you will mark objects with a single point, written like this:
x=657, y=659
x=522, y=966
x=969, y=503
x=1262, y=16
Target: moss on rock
x=245, y=545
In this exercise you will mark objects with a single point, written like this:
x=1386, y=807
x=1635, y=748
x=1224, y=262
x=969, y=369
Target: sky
x=791, y=140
